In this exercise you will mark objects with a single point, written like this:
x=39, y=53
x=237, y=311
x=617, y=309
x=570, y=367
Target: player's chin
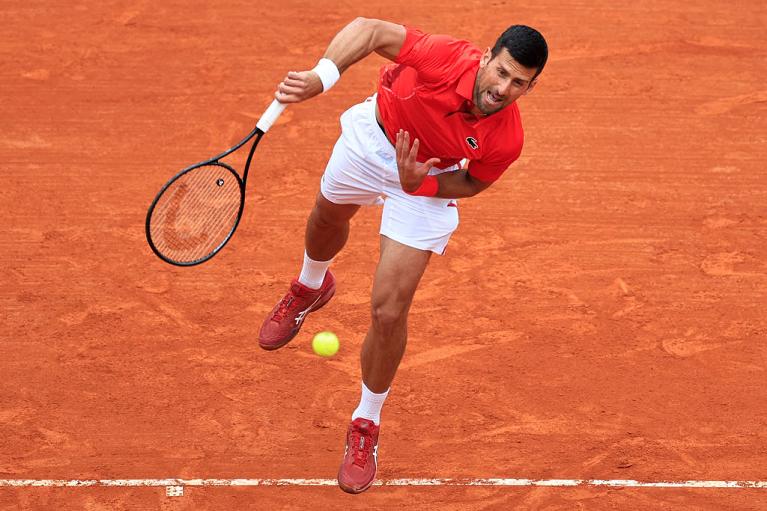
x=492, y=108
x=488, y=106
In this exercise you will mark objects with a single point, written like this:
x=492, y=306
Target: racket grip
x=271, y=115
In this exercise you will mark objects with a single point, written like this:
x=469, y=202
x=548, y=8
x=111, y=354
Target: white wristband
x=328, y=73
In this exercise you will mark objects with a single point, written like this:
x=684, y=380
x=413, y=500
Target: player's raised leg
x=399, y=271
x=327, y=230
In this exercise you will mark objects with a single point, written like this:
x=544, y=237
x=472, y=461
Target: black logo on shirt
x=472, y=143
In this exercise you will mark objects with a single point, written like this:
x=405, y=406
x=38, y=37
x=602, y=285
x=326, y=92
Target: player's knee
x=323, y=220
x=326, y=215
x=388, y=316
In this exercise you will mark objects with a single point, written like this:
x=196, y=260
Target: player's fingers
x=289, y=89
x=294, y=82
x=405, y=145
x=401, y=147
x=286, y=98
x=413, y=154
x=290, y=93
x=431, y=162
x=303, y=76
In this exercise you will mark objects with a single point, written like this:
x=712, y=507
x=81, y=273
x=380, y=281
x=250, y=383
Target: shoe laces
x=283, y=307
x=361, y=446
x=289, y=301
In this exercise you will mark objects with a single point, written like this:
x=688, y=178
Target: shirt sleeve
x=431, y=56
x=492, y=167
x=486, y=171
x=504, y=148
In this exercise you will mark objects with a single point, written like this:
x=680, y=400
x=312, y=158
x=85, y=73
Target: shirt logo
x=472, y=143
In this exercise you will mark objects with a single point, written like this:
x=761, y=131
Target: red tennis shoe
x=358, y=470
x=286, y=318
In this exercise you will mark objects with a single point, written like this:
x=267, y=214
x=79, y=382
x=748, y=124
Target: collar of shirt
x=465, y=89
x=465, y=85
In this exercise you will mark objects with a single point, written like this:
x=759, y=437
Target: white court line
x=616, y=483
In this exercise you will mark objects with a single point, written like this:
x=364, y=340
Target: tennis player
x=442, y=101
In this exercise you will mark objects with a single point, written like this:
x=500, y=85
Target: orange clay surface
x=600, y=312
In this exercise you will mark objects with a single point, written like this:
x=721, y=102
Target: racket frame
x=266, y=121
x=241, y=181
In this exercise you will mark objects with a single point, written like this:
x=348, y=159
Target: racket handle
x=271, y=115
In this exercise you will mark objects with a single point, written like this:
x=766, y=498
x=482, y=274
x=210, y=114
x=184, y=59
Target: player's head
x=510, y=68
x=526, y=45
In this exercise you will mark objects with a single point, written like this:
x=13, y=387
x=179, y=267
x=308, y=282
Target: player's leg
x=397, y=276
x=412, y=228
x=399, y=271
x=327, y=230
x=350, y=180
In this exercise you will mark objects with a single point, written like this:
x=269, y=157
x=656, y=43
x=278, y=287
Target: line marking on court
x=180, y=483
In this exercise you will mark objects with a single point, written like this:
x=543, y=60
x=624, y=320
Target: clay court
x=598, y=315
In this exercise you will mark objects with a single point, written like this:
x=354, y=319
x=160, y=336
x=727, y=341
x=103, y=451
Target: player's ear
x=530, y=87
x=486, y=57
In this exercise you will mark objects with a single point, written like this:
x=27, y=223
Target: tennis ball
x=325, y=344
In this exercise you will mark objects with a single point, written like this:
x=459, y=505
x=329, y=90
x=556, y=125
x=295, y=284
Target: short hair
x=526, y=45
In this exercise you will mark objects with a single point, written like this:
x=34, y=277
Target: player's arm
x=459, y=184
x=414, y=177
x=362, y=37
x=354, y=42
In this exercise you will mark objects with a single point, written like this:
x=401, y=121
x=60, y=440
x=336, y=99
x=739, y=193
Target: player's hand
x=411, y=173
x=298, y=86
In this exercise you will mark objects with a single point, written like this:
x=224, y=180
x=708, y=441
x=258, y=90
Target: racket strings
x=196, y=214
x=196, y=230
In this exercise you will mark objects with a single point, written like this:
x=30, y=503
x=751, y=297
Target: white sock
x=313, y=272
x=370, y=405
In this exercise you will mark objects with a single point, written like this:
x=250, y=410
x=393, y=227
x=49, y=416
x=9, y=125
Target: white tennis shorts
x=363, y=170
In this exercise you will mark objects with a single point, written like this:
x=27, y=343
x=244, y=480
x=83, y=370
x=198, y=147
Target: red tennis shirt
x=428, y=92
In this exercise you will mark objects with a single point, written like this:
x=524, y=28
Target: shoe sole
x=354, y=491
x=320, y=304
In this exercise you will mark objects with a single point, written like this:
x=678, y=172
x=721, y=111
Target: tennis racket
x=196, y=213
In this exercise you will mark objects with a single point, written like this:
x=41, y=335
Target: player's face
x=500, y=81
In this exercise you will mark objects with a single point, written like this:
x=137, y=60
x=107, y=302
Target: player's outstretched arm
x=354, y=42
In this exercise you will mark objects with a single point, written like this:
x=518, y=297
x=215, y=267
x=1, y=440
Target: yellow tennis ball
x=325, y=344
